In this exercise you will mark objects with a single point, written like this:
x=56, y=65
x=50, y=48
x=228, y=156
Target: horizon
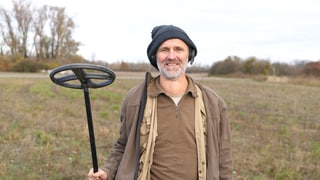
x=285, y=31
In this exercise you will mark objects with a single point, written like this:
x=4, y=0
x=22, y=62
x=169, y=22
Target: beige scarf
x=148, y=135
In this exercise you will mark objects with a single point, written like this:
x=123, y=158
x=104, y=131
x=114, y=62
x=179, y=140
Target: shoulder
x=133, y=96
x=206, y=90
x=210, y=95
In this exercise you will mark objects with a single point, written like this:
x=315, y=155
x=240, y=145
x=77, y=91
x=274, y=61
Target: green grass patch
x=44, y=135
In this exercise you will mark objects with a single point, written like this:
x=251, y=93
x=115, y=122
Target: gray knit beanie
x=162, y=33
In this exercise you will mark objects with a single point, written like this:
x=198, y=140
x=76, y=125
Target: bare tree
x=47, y=30
x=9, y=36
x=2, y=43
x=23, y=16
x=61, y=27
x=40, y=39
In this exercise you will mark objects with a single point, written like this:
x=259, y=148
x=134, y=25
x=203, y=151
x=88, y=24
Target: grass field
x=275, y=128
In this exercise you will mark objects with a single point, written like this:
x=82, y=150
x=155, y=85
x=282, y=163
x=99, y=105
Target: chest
x=175, y=120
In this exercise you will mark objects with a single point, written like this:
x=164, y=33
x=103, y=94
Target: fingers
x=100, y=175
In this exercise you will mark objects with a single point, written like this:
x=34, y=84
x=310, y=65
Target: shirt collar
x=154, y=88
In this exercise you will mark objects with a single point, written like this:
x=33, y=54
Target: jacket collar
x=154, y=88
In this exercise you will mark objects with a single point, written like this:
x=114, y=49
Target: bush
x=28, y=66
x=312, y=69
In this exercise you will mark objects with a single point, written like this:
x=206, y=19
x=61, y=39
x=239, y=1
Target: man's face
x=172, y=58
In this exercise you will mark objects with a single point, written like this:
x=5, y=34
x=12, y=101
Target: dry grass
x=275, y=127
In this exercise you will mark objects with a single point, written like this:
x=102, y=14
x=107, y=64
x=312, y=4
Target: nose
x=171, y=55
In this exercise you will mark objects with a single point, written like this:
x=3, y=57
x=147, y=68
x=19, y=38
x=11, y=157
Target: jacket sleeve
x=117, y=150
x=219, y=154
x=225, y=154
x=121, y=160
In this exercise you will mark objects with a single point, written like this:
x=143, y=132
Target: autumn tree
x=45, y=32
x=230, y=65
x=22, y=13
x=41, y=41
x=9, y=37
x=312, y=69
x=61, y=28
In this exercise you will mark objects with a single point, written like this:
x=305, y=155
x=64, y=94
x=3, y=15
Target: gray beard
x=171, y=76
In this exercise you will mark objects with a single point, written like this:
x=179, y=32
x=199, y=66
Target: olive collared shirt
x=175, y=153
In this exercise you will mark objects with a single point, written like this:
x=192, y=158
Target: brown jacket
x=121, y=163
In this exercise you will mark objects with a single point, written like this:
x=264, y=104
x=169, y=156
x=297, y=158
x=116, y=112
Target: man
x=171, y=126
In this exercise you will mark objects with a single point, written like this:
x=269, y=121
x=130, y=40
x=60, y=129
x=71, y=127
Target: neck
x=174, y=87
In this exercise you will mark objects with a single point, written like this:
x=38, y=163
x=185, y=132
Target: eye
x=179, y=49
x=163, y=49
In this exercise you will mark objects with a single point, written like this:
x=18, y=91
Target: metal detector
x=84, y=76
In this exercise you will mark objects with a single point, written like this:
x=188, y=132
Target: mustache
x=171, y=62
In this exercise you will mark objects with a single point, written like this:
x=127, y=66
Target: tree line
x=233, y=65
x=34, y=38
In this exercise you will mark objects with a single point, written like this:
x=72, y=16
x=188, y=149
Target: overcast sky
x=278, y=30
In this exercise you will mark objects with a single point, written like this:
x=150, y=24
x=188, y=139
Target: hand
x=100, y=175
